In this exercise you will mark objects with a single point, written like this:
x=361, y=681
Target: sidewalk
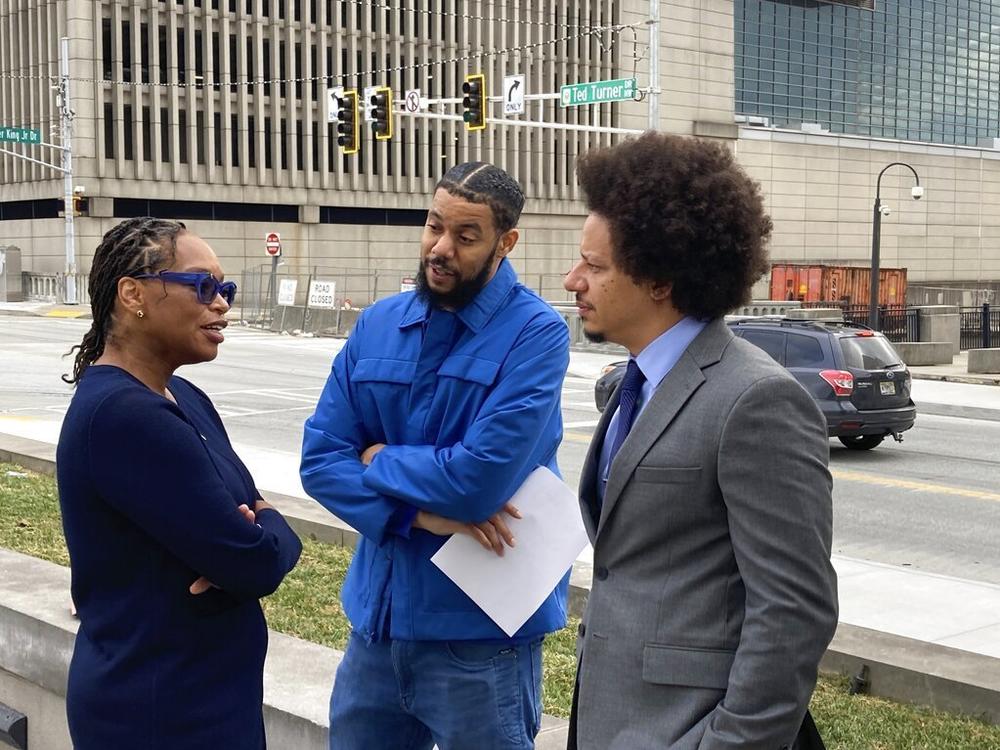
x=43, y=309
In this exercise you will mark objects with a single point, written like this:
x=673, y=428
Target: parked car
x=858, y=380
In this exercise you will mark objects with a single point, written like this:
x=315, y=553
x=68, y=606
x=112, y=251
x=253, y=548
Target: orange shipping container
x=845, y=284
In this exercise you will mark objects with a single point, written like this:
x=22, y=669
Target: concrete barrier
x=918, y=353
x=984, y=360
x=941, y=323
x=36, y=643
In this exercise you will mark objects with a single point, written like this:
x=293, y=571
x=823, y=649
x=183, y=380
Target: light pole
x=916, y=193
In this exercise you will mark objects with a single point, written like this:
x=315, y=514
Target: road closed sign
x=272, y=244
x=286, y=291
x=321, y=293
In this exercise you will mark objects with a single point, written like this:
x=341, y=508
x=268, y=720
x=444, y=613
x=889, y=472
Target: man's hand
x=492, y=534
x=203, y=584
x=496, y=530
x=370, y=451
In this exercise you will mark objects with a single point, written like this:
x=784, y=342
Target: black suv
x=857, y=378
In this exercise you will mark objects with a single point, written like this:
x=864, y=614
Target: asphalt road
x=932, y=502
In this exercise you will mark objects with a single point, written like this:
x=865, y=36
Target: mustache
x=440, y=263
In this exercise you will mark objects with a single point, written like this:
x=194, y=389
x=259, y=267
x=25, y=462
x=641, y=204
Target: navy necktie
x=628, y=403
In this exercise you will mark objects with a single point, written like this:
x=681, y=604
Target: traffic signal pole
x=66, y=114
x=66, y=136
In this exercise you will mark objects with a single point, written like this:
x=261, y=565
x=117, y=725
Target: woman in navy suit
x=170, y=543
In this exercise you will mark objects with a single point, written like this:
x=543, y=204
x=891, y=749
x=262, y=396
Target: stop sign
x=272, y=243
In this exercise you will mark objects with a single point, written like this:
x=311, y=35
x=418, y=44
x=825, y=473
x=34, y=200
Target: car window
x=868, y=352
x=772, y=342
x=803, y=351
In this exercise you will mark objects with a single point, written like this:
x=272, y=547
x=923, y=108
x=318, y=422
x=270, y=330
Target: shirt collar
x=662, y=353
x=477, y=313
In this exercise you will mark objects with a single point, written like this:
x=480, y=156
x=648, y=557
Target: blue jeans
x=459, y=695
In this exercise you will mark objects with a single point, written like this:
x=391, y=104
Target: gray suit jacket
x=713, y=596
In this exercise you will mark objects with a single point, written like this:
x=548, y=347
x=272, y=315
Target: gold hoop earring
x=140, y=314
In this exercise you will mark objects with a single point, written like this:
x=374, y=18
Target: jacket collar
x=477, y=313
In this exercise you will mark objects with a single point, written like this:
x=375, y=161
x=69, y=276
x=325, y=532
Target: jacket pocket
x=474, y=369
x=688, y=667
x=666, y=474
x=384, y=371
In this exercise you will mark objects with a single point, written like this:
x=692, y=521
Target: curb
x=966, y=379
x=952, y=410
x=898, y=668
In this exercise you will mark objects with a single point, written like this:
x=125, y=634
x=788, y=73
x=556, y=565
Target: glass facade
x=920, y=70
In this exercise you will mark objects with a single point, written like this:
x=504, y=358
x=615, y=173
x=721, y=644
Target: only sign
x=272, y=244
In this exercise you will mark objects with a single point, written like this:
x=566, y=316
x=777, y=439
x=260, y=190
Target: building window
x=147, y=135
x=109, y=131
x=164, y=134
x=107, y=48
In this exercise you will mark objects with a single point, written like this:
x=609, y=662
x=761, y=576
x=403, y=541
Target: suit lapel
x=669, y=398
x=589, y=498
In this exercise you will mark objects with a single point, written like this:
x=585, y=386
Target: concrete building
x=214, y=112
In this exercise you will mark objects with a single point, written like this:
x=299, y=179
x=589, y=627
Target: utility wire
x=614, y=30
x=470, y=17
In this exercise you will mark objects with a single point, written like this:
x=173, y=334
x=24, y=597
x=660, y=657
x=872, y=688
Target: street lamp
x=916, y=193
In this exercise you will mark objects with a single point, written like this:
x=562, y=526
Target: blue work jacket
x=480, y=424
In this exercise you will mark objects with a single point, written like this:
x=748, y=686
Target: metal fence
x=980, y=327
x=897, y=322
x=279, y=299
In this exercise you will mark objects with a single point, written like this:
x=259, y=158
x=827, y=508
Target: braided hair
x=480, y=182
x=140, y=245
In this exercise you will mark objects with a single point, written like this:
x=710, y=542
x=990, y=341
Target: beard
x=595, y=337
x=464, y=291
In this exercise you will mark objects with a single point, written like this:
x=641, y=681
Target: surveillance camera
x=885, y=210
x=79, y=190
x=917, y=192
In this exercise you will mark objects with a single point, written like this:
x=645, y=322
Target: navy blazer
x=149, y=492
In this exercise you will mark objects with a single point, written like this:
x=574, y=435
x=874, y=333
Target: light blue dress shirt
x=655, y=361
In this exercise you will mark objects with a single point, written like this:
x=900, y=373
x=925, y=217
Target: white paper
x=548, y=538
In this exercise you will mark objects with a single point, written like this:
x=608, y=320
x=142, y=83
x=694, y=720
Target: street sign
x=407, y=284
x=513, y=95
x=20, y=135
x=333, y=97
x=286, y=291
x=321, y=293
x=595, y=92
x=272, y=244
x=412, y=101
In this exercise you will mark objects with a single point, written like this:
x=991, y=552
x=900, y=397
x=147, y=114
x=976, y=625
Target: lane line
x=909, y=484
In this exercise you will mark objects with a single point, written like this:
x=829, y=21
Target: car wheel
x=862, y=442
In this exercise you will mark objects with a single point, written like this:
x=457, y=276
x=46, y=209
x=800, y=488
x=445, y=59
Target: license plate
x=887, y=387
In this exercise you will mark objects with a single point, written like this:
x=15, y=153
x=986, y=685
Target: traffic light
x=347, y=122
x=382, y=113
x=474, y=101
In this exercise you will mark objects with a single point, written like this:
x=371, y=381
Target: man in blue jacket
x=439, y=406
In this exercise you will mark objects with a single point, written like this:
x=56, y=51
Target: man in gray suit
x=706, y=491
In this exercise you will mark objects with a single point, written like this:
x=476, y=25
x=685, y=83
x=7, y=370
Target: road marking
x=66, y=313
x=908, y=484
x=228, y=412
x=856, y=476
x=585, y=423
